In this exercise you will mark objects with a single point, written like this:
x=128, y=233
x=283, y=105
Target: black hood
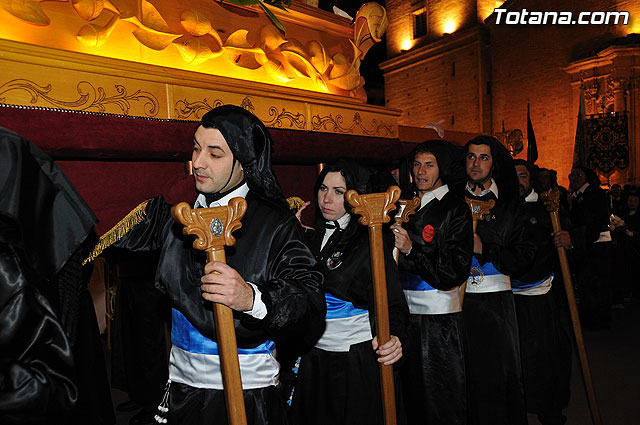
x=41, y=213
x=251, y=145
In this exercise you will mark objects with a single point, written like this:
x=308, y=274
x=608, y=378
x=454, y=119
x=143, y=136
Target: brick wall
x=444, y=87
x=526, y=64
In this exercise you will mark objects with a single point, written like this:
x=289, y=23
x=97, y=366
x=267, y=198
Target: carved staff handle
x=374, y=209
x=551, y=200
x=407, y=207
x=479, y=209
x=212, y=228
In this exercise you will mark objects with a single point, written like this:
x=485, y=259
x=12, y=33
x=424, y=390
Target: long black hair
x=356, y=177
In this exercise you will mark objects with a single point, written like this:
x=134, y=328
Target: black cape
x=51, y=356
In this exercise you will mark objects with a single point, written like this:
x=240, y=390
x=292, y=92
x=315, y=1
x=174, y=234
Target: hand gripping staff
x=407, y=208
x=478, y=210
x=551, y=201
x=374, y=209
x=212, y=228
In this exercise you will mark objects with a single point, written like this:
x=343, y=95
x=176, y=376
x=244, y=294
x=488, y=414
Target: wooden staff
x=407, y=208
x=212, y=228
x=551, y=200
x=374, y=209
x=478, y=210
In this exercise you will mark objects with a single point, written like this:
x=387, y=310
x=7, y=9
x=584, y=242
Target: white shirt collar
x=342, y=222
x=240, y=192
x=434, y=194
x=493, y=188
x=531, y=197
x=583, y=188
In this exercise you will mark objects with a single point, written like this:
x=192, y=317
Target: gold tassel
x=295, y=203
x=118, y=231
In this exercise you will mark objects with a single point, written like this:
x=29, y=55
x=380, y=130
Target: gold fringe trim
x=295, y=203
x=118, y=231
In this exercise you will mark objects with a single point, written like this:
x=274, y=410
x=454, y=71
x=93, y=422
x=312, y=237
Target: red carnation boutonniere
x=428, y=232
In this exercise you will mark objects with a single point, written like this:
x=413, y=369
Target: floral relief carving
x=328, y=122
x=283, y=59
x=89, y=98
x=295, y=120
x=185, y=109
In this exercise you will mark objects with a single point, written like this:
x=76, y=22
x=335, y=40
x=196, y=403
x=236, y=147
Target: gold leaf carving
x=330, y=123
x=185, y=109
x=93, y=35
x=369, y=26
x=90, y=98
x=248, y=105
x=318, y=55
x=196, y=40
x=198, y=50
x=240, y=51
x=88, y=9
x=152, y=30
x=270, y=38
x=298, y=120
x=27, y=10
x=195, y=23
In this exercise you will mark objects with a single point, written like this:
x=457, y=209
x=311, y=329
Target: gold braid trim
x=295, y=203
x=118, y=231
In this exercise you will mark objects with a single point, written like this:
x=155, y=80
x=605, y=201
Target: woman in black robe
x=339, y=379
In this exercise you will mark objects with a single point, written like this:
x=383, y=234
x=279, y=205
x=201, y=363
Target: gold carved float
x=207, y=34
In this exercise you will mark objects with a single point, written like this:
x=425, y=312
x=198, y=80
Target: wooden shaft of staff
x=228, y=350
x=575, y=319
x=383, y=329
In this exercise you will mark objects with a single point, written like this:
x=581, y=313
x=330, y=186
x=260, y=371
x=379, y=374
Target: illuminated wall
x=520, y=63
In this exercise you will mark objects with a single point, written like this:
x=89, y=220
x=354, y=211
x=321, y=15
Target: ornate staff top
x=211, y=226
x=374, y=207
x=551, y=199
x=407, y=208
x=479, y=209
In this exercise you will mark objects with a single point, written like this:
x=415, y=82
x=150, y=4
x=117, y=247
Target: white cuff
x=259, y=310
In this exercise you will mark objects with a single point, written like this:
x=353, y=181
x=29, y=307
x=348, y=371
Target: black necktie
x=331, y=225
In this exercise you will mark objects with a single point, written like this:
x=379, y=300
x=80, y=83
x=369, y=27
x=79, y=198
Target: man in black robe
x=592, y=239
x=269, y=279
x=52, y=368
x=434, y=263
x=545, y=344
x=501, y=248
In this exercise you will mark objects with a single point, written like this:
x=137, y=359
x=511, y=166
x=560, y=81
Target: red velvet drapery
x=117, y=162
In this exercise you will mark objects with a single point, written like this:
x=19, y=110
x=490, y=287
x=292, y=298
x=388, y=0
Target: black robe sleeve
x=292, y=288
x=445, y=261
x=398, y=308
x=147, y=235
x=36, y=362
